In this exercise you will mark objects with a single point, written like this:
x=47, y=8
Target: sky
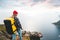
x=31, y=12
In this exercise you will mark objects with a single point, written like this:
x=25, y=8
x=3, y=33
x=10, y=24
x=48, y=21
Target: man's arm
x=17, y=23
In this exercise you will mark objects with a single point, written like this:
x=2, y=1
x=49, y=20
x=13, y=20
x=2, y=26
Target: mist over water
x=42, y=23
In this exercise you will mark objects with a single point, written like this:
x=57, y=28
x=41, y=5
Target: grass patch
x=2, y=27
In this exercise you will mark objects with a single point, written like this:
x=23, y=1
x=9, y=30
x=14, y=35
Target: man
x=18, y=26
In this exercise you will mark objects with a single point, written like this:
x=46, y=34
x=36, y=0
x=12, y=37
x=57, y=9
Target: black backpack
x=9, y=25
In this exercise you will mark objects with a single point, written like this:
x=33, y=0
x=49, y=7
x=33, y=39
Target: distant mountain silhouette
x=57, y=23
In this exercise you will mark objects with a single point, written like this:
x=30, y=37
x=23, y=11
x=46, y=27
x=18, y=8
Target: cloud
x=18, y=3
x=55, y=3
x=22, y=3
x=38, y=0
x=9, y=3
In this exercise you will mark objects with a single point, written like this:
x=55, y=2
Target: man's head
x=15, y=13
